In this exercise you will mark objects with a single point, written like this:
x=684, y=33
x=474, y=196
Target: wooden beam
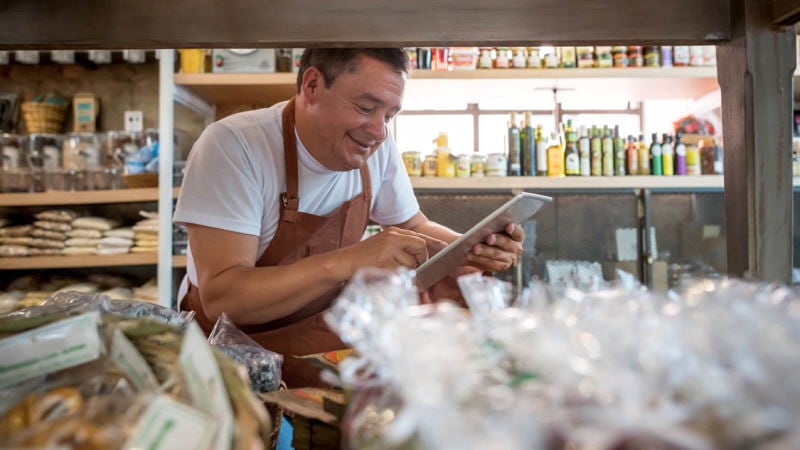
x=85, y=24
x=755, y=72
x=785, y=12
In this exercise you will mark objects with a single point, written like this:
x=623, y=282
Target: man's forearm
x=435, y=230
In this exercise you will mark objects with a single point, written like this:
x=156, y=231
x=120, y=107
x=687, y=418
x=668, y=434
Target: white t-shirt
x=235, y=175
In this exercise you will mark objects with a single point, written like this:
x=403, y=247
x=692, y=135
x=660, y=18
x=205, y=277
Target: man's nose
x=376, y=127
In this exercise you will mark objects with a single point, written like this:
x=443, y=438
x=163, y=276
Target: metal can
x=496, y=165
x=413, y=163
x=463, y=166
x=477, y=165
x=429, y=166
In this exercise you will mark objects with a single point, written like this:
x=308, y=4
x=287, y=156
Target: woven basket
x=142, y=180
x=43, y=117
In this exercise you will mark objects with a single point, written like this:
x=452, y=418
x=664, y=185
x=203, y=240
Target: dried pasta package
x=26, y=241
x=16, y=231
x=54, y=226
x=48, y=234
x=263, y=366
x=57, y=215
x=95, y=223
x=46, y=243
x=14, y=250
x=88, y=234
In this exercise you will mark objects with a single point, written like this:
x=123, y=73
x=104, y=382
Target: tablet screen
x=516, y=210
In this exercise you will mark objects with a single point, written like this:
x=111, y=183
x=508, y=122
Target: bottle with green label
x=572, y=162
x=619, y=153
x=585, y=152
x=667, y=156
x=597, y=152
x=655, y=156
x=528, y=136
x=608, y=152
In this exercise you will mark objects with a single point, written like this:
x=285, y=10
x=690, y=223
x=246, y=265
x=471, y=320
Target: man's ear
x=312, y=82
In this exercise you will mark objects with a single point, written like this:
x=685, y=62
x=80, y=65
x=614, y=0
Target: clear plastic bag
x=137, y=309
x=263, y=366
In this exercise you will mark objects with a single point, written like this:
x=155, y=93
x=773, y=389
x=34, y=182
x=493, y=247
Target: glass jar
x=635, y=57
x=519, y=61
x=503, y=59
x=652, y=56
x=82, y=151
x=477, y=165
x=429, y=166
x=485, y=58
x=46, y=161
x=121, y=144
x=413, y=163
x=620, y=56
x=14, y=176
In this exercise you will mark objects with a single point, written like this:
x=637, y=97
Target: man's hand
x=391, y=248
x=499, y=251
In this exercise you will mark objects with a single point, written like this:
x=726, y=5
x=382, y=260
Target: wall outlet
x=134, y=121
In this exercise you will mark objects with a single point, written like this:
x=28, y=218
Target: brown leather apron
x=299, y=235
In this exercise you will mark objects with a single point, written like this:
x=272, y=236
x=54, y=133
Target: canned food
x=477, y=165
x=496, y=165
x=413, y=163
x=463, y=166
x=429, y=166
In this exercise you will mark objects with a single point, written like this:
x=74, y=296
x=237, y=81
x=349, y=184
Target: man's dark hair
x=333, y=61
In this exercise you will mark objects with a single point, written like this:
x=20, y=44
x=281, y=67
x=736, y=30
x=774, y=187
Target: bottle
x=620, y=55
x=568, y=60
x=519, y=60
x=644, y=156
x=596, y=152
x=514, y=151
x=693, y=166
x=445, y=162
x=680, y=155
x=666, y=56
x=632, y=156
x=555, y=157
x=681, y=56
x=635, y=58
x=585, y=153
x=608, y=152
x=655, y=156
x=619, y=153
x=528, y=137
x=534, y=60
x=541, y=152
x=503, y=58
x=485, y=58
x=572, y=161
x=550, y=57
x=667, y=156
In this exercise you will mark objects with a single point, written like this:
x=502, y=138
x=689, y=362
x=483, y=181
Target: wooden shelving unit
x=639, y=82
x=179, y=262
x=79, y=261
x=63, y=198
x=626, y=182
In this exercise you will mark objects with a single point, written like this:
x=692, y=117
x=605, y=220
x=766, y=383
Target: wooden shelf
x=626, y=182
x=58, y=198
x=638, y=83
x=78, y=261
x=179, y=261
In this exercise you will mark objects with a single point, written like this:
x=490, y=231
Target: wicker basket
x=43, y=117
x=142, y=180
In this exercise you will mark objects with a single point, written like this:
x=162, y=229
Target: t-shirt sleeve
x=221, y=187
x=395, y=201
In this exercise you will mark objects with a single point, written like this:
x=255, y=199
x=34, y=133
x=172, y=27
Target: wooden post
x=755, y=71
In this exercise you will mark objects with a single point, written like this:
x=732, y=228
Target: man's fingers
x=516, y=232
x=489, y=264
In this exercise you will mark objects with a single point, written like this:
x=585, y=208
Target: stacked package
x=116, y=241
x=47, y=235
x=703, y=367
x=87, y=372
x=86, y=234
x=146, y=233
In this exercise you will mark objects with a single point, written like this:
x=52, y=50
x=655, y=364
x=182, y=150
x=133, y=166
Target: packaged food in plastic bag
x=263, y=366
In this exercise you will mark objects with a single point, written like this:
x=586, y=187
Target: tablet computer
x=516, y=210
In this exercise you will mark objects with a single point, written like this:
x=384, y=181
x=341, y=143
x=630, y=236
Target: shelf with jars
x=648, y=79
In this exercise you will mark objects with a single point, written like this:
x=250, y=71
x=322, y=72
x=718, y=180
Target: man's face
x=352, y=114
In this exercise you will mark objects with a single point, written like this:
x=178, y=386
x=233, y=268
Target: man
x=276, y=201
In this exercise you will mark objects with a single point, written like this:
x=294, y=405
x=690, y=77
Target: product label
x=167, y=424
x=572, y=164
x=50, y=348
x=131, y=363
x=206, y=385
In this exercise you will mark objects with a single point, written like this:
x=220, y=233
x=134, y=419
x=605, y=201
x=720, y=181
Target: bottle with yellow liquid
x=445, y=161
x=555, y=157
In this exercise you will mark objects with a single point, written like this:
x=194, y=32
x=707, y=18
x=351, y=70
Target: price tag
x=167, y=424
x=50, y=348
x=206, y=384
x=131, y=363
